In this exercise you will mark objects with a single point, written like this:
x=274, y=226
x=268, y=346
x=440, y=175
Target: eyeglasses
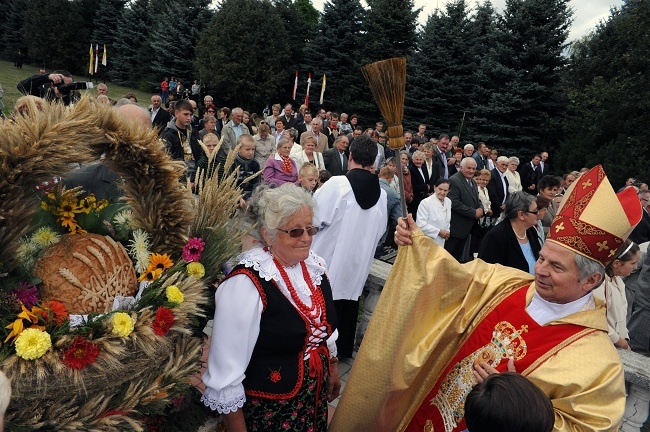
x=297, y=232
x=210, y=111
x=532, y=211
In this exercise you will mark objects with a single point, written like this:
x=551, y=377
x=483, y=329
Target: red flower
x=80, y=354
x=55, y=311
x=163, y=321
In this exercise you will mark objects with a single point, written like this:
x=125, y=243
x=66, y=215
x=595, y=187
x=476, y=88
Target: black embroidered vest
x=276, y=368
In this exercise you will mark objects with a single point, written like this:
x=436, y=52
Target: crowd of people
x=323, y=194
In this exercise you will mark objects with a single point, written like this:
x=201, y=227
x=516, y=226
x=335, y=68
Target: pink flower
x=286, y=425
x=27, y=294
x=193, y=249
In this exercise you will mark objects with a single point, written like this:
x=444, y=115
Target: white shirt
x=434, y=216
x=348, y=237
x=236, y=326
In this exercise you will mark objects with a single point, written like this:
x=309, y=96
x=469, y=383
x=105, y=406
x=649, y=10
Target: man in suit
x=546, y=168
x=408, y=142
x=287, y=115
x=332, y=130
x=466, y=209
x=305, y=124
x=159, y=116
x=498, y=187
x=319, y=137
x=442, y=166
x=641, y=233
x=335, y=160
x=531, y=174
x=195, y=122
x=481, y=156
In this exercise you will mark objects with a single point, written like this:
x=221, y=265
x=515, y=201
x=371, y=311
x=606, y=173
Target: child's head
x=386, y=173
x=625, y=262
x=308, y=176
x=508, y=402
x=210, y=141
x=246, y=146
x=323, y=176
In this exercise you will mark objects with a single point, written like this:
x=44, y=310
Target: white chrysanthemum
x=139, y=249
x=44, y=237
x=26, y=252
x=123, y=218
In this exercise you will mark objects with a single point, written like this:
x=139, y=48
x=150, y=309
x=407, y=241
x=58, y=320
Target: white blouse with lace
x=236, y=326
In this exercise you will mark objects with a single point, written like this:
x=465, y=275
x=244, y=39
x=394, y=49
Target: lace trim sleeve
x=216, y=402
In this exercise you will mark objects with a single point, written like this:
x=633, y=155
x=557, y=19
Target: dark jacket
x=246, y=168
x=420, y=187
x=332, y=160
x=500, y=246
x=161, y=119
x=464, y=202
x=41, y=86
x=641, y=232
x=495, y=190
x=530, y=176
x=174, y=139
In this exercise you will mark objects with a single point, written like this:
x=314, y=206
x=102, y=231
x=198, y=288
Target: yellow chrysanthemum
x=174, y=295
x=160, y=262
x=32, y=343
x=122, y=324
x=44, y=236
x=195, y=269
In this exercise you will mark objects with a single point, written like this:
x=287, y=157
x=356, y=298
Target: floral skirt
x=300, y=413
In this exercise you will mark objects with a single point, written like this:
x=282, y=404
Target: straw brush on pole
x=387, y=82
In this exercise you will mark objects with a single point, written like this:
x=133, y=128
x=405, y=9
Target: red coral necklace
x=317, y=307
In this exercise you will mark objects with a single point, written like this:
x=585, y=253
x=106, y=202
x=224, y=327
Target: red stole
x=506, y=331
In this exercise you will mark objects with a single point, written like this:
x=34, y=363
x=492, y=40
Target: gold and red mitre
x=593, y=220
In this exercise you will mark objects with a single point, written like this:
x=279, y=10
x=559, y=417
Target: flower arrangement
x=113, y=368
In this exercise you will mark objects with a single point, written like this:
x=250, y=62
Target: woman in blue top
x=514, y=241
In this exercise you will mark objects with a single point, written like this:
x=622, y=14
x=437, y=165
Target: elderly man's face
x=315, y=126
x=237, y=117
x=342, y=144
x=503, y=166
x=469, y=151
x=207, y=100
x=287, y=110
x=557, y=277
x=443, y=144
x=155, y=102
x=468, y=169
x=344, y=118
x=102, y=90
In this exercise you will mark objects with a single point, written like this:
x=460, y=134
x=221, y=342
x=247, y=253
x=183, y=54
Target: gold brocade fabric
x=429, y=304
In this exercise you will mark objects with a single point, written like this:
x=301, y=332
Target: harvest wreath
x=85, y=346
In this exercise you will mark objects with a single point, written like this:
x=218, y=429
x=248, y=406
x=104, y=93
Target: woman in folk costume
x=440, y=326
x=272, y=363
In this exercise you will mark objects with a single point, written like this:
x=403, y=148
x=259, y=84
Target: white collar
x=544, y=312
x=262, y=261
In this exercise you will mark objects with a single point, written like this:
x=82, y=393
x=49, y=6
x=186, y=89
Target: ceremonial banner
x=322, y=89
x=307, y=94
x=295, y=86
x=96, y=57
x=104, y=56
x=91, y=70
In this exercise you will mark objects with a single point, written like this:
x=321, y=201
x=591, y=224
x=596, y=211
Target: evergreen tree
x=130, y=64
x=239, y=75
x=107, y=17
x=335, y=51
x=176, y=32
x=523, y=73
x=607, y=84
x=441, y=81
x=12, y=29
x=298, y=19
x=390, y=28
x=57, y=33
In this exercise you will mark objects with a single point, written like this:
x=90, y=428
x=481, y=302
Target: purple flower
x=193, y=249
x=27, y=294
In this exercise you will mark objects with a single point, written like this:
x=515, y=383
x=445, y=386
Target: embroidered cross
x=559, y=227
x=586, y=184
x=611, y=253
x=602, y=246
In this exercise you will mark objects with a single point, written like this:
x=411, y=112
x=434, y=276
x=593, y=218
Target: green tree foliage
x=177, y=29
x=441, y=82
x=299, y=23
x=335, y=50
x=130, y=59
x=237, y=74
x=57, y=33
x=390, y=28
x=107, y=17
x=11, y=32
x=607, y=86
x=522, y=75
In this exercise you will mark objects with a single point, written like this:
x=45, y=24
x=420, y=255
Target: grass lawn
x=10, y=77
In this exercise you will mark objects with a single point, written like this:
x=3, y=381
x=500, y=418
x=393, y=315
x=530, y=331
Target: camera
x=67, y=88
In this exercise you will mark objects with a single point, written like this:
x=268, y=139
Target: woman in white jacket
x=514, y=181
x=309, y=154
x=434, y=213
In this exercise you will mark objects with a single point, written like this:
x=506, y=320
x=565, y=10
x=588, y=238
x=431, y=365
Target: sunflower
x=150, y=274
x=87, y=204
x=160, y=262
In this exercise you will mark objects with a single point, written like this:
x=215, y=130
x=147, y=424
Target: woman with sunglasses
x=514, y=241
x=272, y=363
